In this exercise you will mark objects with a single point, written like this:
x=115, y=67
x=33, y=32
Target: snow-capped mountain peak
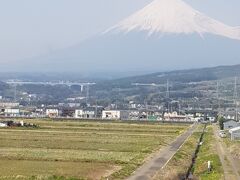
x=174, y=16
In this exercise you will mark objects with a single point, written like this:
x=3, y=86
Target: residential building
x=11, y=112
x=116, y=114
x=235, y=133
x=133, y=115
x=230, y=124
x=39, y=112
x=174, y=116
x=52, y=113
x=3, y=125
x=67, y=112
x=211, y=118
x=8, y=104
x=88, y=113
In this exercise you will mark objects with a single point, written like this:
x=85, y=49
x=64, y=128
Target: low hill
x=180, y=76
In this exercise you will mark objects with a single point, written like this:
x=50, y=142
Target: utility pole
x=96, y=109
x=179, y=107
x=87, y=96
x=118, y=96
x=218, y=100
x=82, y=86
x=146, y=105
x=167, y=92
x=235, y=99
x=15, y=93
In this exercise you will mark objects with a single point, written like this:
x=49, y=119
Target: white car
x=222, y=134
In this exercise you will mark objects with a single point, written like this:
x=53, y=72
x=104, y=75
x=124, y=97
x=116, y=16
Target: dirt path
x=230, y=167
x=161, y=158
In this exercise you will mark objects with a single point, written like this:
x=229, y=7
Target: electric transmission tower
x=87, y=95
x=168, y=96
x=15, y=93
x=167, y=92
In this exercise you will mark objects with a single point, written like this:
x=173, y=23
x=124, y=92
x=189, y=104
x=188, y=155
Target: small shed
x=235, y=133
x=230, y=124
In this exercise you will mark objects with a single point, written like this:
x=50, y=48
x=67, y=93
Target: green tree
x=221, y=121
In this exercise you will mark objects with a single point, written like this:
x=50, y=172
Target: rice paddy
x=80, y=150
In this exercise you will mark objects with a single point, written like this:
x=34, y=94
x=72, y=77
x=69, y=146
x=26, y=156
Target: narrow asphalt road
x=161, y=158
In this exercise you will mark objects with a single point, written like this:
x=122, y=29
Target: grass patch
x=234, y=147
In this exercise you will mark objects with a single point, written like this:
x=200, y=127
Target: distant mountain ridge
x=180, y=76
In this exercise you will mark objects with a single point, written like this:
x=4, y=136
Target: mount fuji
x=174, y=16
x=164, y=35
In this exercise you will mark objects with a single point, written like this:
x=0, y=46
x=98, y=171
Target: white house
x=3, y=125
x=235, y=133
x=86, y=113
x=174, y=116
x=211, y=118
x=134, y=115
x=52, y=113
x=8, y=104
x=115, y=114
x=11, y=112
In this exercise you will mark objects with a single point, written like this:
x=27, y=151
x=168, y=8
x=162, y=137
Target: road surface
x=161, y=158
x=230, y=166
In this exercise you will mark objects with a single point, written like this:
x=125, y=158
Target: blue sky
x=35, y=27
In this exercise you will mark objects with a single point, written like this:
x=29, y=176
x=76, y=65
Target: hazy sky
x=34, y=27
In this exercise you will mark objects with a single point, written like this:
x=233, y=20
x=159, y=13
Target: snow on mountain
x=174, y=16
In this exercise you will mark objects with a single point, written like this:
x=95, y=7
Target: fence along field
x=80, y=150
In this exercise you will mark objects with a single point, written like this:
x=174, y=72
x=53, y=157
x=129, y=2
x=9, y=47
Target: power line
x=15, y=93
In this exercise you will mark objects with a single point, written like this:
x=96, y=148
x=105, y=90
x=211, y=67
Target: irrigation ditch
x=189, y=174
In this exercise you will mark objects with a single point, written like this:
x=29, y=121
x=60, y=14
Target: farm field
x=80, y=150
